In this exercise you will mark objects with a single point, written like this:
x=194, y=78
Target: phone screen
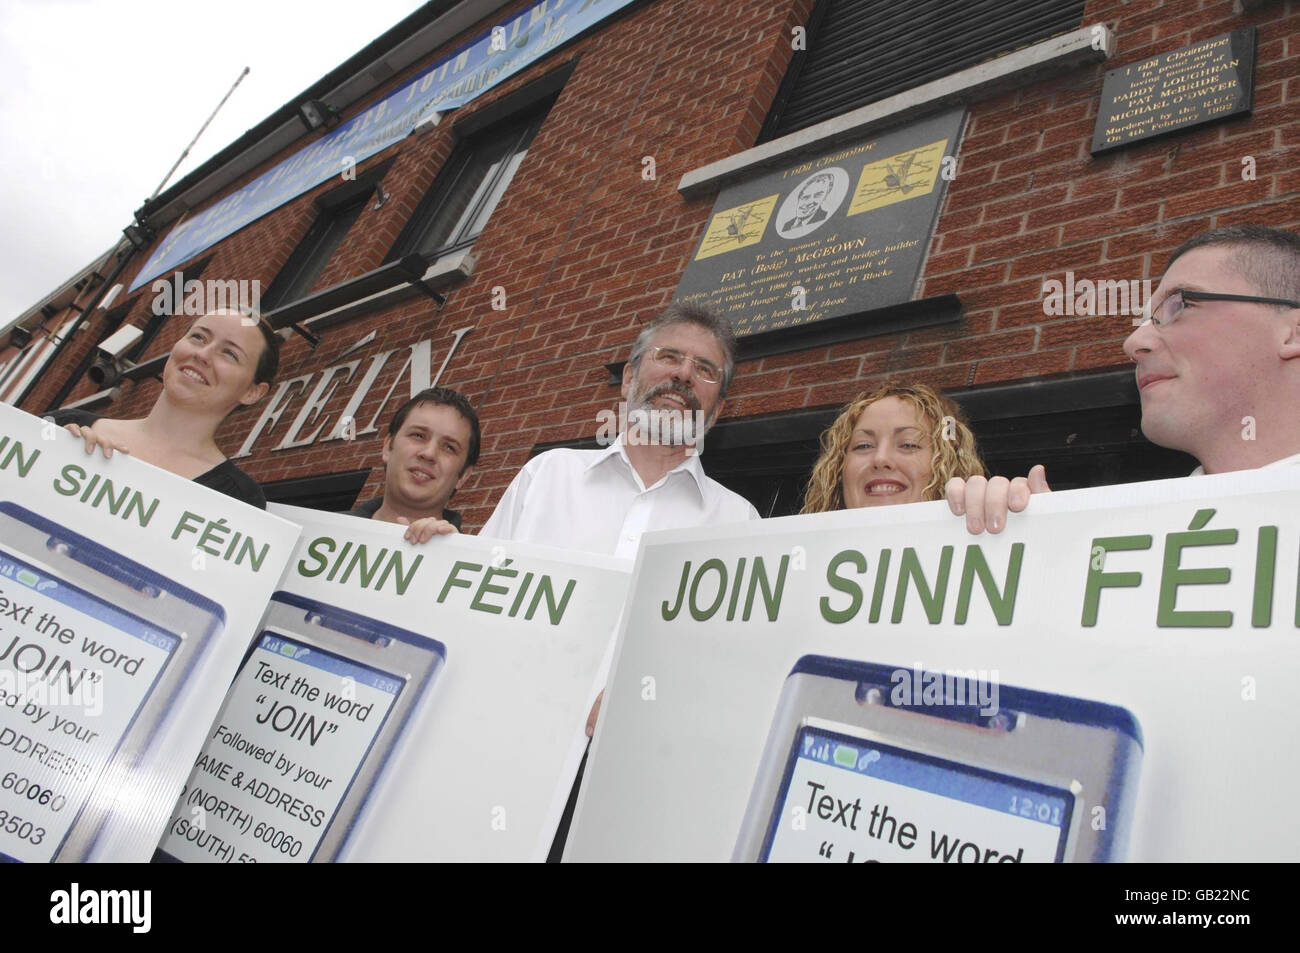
x=848, y=799
x=63, y=654
x=294, y=731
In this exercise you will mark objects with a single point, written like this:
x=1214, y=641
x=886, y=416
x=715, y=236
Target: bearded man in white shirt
x=1217, y=357
x=650, y=478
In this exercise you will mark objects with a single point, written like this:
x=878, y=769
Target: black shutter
x=860, y=51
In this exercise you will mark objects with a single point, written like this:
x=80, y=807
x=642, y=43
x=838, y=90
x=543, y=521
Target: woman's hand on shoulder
x=93, y=439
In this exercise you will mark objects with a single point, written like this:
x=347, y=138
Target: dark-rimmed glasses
x=1172, y=306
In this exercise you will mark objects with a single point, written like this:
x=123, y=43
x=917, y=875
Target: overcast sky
x=99, y=97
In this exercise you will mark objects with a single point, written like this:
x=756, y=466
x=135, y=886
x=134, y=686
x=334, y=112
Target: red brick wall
x=587, y=250
x=1029, y=202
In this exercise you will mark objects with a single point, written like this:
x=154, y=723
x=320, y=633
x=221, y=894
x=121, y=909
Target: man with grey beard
x=650, y=477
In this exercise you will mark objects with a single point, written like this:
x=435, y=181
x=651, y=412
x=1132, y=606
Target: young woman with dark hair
x=223, y=361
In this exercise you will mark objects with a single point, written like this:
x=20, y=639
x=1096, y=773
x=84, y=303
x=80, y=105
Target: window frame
x=791, y=91
x=529, y=105
x=329, y=209
x=448, y=184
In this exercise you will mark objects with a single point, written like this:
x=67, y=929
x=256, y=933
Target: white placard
x=445, y=723
x=1174, y=602
x=127, y=598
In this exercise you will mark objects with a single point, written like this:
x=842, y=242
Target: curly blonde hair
x=952, y=457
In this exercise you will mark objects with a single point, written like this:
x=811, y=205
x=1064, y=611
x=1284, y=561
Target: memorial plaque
x=1201, y=83
x=838, y=234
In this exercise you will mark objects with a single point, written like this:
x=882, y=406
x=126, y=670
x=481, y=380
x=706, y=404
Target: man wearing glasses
x=1221, y=343
x=650, y=477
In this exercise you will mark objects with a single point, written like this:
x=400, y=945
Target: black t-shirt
x=225, y=477
x=368, y=509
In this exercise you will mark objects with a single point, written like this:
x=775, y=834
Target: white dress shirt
x=1291, y=461
x=594, y=500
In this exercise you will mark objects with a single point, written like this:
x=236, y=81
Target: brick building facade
x=584, y=247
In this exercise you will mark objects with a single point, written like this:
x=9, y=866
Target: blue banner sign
x=492, y=58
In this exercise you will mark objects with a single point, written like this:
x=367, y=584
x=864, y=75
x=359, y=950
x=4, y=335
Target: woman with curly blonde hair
x=900, y=443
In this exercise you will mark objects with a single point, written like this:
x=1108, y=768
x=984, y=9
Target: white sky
x=99, y=97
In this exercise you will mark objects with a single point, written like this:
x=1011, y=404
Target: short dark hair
x=1269, y=258
x=697, y=314
x=445, y=397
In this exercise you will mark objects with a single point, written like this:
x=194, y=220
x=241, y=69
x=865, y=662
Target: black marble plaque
x=1201, y=83
x=840, y=233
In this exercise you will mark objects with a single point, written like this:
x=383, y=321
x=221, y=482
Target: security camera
x=106, y=370
x=120, y=341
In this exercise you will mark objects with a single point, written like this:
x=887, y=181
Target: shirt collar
x=618, y=450
x=1292, y=460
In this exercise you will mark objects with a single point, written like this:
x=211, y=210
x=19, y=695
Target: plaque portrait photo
x=812, y=202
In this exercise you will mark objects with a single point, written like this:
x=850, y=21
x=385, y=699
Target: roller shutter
x=860, y=51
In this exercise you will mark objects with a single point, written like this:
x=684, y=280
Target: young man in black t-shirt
x=429, y=453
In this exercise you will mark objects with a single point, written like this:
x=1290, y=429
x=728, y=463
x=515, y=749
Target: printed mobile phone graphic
x=303, y=735
x=94, y=648
x=856, y=771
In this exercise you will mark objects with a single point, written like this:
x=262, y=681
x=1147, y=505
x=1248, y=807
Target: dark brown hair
x=446, y=397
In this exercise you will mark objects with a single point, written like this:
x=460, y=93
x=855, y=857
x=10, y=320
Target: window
x=334, y=492
x=14, y=366
x=470, y=187
x=339, y=213
x=20, y=374
x=861, y=51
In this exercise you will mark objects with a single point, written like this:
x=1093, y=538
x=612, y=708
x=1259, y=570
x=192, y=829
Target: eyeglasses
x=1172, y=307
x=673, y=359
